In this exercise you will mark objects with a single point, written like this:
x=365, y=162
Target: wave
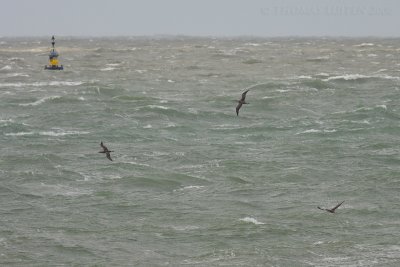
x=365, y=45
x=108, y=69
x=16, y=74
x=158, y=107
x=40, y=101
x=189, y=187
x=347, y=77
x=318, y=59
x=16, y=59
x=6, y=68
x=48, y=133
x=56, y=190
x=316, y=131
x=355, y=77
x=251, y=220
x=41, y=84
x=315, y=83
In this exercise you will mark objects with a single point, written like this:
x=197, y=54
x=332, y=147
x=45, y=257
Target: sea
x=191, y=183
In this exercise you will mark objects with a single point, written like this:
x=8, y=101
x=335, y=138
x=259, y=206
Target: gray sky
x=200, y=18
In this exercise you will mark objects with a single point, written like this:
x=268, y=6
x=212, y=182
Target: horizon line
x=203, y=36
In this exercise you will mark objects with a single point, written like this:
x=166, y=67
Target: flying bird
x=332, y=210
x=241, y=102
x=105, y=150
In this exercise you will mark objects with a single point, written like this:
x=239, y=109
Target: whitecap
x=321, y=58
x=141, y=71
x=148, y=126
x=16, y=59
x=62, y=133
x=304, y=77
x=252, y=44
x=382, y=106
x=347, y=77
x=380, y=70
x=48, y=133
x=193, y=111
x=113, y=64
x=40, y=84
x=157, y=107
x=60, y=83
x=309, y=131
x=226, y=127
x=6, y=67
x=40, y=101
x=322, y=74
x=251, y=220
x=6, y=120
x=19, y=133
x=193, y=187
x=316, y=131
x=17, y=75
x=185, y=228
x=388, y=77
x=171, y=81
x=364, y=45
x=361, y=122
x=108, y=69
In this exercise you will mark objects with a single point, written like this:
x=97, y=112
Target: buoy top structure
x=53, y=58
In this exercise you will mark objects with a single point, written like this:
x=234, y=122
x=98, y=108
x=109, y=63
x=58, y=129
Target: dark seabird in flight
x=332, y=210
x=105, y=150
x=241, y=101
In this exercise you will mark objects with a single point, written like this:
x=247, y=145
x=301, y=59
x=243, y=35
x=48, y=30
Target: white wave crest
x=251, y=220
x=6, y=68
x=158, y=107
x=40, y=101
x=108, y=69
x=62, y=133
x=19, y=134
x=347, y=77
x=40, y=84
x=364, y=45
x=353, y=77
x=316, y=131
x=17, y=75
x=48, y=133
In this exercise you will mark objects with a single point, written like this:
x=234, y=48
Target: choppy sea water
x=191, y=183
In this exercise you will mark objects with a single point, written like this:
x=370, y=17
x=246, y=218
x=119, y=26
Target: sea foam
x=251, y=220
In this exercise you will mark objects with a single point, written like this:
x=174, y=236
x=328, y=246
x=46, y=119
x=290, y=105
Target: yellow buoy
x=53, y=58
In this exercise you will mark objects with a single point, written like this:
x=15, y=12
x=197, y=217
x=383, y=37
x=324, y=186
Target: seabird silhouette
x=332, y=210
x=241, y=102
x=105, y=150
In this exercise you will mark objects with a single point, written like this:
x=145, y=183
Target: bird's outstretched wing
x=337, y=206
x=103, y=146
x=244, y=95
x=108, y=156
x=237, y=108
